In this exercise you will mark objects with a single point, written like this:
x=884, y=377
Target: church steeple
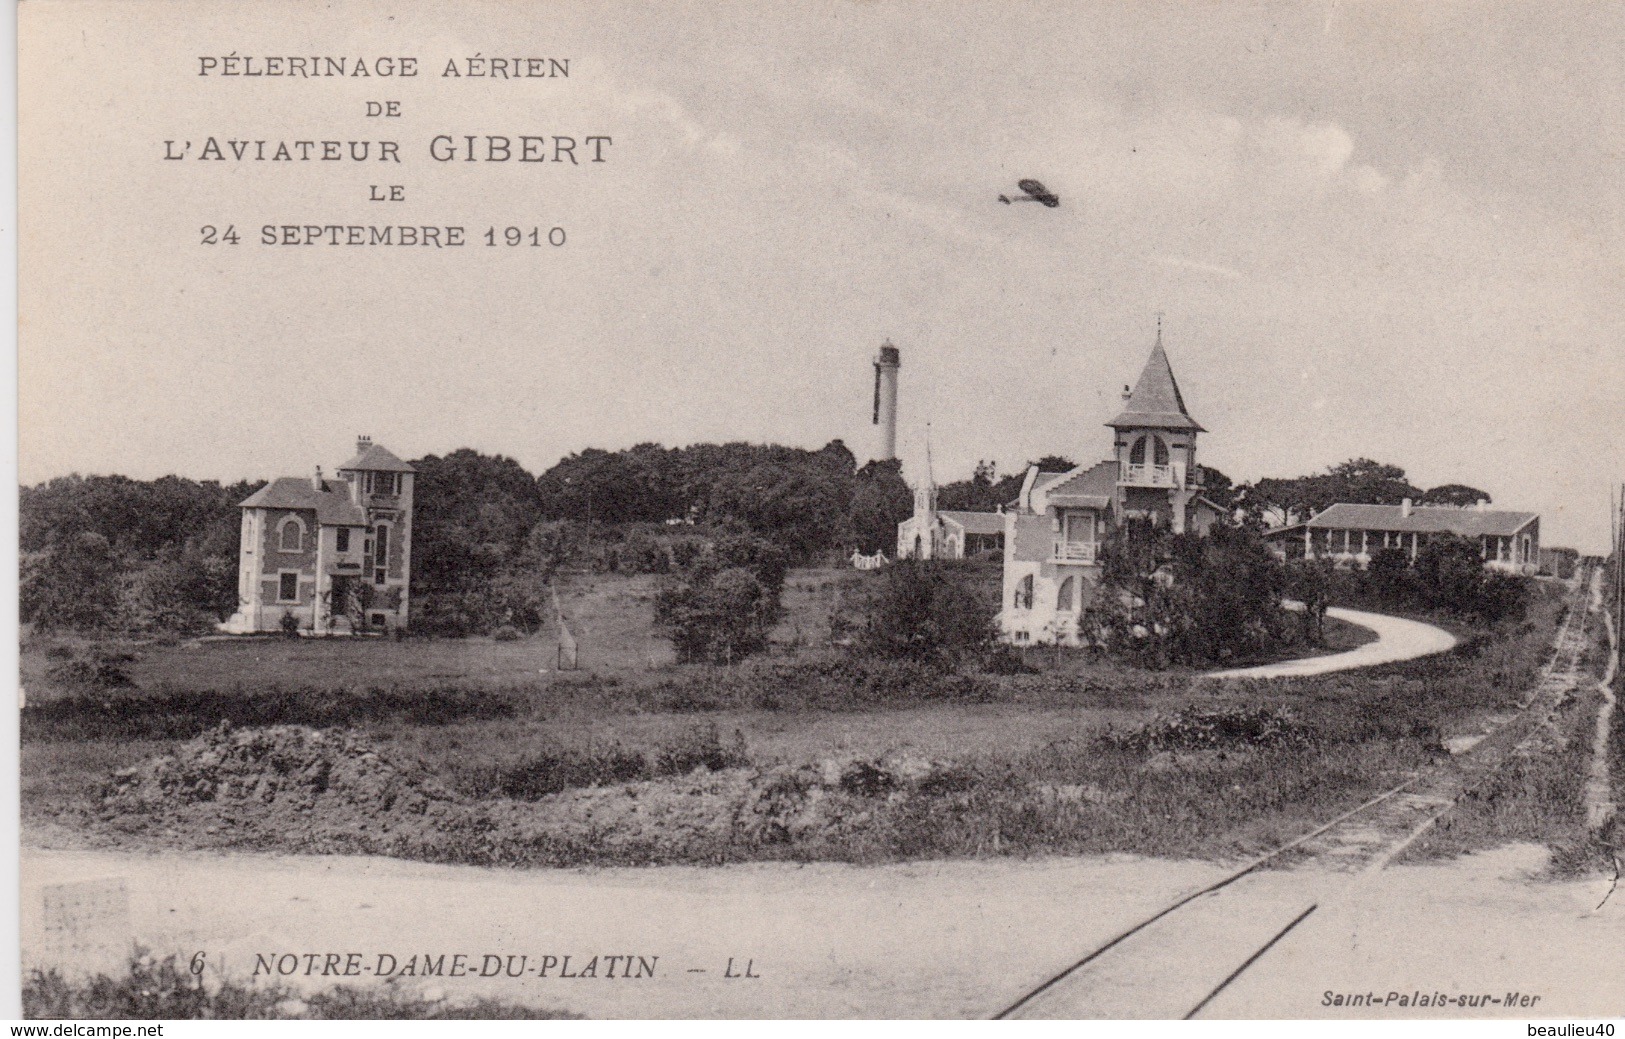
x=925, y=495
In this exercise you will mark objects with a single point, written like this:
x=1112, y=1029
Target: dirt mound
x=285, y=786
x=297, y=789
x=726, y=814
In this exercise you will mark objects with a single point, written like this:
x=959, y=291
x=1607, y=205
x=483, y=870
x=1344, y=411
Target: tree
x=1457, y=494
x=138, y=518
x=929, y=611
x=1055, y=464
x=803, y=507
x=184, y=590
x=1449, y=572
x=1309, y=581
x=1218, y=488
x=880, y=501
x=985, y=491
x=472, y=545
x=1358, y=481
x=765, y=560
x=73, y=584
x=1189, y=598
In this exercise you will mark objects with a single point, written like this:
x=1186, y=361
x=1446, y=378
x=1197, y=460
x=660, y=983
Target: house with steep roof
x=1350, y=534
x=1054, y=530
x=334, y=555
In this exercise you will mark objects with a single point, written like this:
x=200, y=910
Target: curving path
x=1397, y=639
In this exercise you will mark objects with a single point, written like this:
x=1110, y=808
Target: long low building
x=1351, y=534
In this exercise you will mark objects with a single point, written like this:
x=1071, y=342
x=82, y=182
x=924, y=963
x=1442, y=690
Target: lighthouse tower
x=885, y=415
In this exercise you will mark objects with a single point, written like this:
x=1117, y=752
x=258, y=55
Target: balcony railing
x=1075, y=551
x=1147, y=475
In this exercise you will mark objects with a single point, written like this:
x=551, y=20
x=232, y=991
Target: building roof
x=1423, y=519
x=332, y=508
x=378, y=459
x=1091, y=488
x=1155, y=400
x=1292, y=530
x=976, y=522
x=1043, y=480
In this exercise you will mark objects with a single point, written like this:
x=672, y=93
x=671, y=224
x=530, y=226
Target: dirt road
x=952, y=939
x=1397, y=639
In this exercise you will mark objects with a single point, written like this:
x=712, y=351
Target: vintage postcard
x=821, y=509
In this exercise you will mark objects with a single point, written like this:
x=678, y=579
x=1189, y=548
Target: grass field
x=556, y=764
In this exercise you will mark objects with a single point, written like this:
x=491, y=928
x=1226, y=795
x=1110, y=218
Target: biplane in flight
x=1035, y=192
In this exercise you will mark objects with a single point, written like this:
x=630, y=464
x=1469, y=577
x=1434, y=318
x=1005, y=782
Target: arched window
x=1024, y=593
x=1136, y=454
x=919, y=547
x=290, y=534
x=1064, y=602
x=1161, y=450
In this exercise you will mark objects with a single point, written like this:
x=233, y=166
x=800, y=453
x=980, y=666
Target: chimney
x=885, y=413
x=1405, y=507
x=316, y=481
x=362, y=443
x=1127, y=393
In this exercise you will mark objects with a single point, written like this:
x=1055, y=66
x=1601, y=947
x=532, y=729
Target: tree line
x=110, y=552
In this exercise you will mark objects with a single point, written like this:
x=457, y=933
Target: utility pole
x=1618, y=524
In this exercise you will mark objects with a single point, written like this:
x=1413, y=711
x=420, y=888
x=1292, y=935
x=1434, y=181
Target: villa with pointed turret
x=1054, y=529
x=328, y=557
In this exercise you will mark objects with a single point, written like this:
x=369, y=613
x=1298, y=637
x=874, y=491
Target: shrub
x=719, y=617
x=183, y=592
x=103, y=670
x=517, y=600
x=766, y=561
x=642, y=554
x=1189, y=598
x=1448, y=576
x=722, y=614
x=98, y=712
x=154, y=989
x=506, y=633
x=289, y=624
x=700, y=746
x=1212, y=728
x=928, y=611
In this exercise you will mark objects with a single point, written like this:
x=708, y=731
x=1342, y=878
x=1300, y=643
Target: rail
x=1557, y=676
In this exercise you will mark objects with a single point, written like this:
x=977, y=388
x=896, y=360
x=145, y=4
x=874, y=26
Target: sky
x=1380, y=230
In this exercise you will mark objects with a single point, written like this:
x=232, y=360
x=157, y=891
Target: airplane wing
x=1031, y=187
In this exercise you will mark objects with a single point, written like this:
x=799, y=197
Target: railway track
x=1174, y=962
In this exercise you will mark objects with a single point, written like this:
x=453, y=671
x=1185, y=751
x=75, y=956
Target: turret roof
x=377, y=459
x=1155, y=400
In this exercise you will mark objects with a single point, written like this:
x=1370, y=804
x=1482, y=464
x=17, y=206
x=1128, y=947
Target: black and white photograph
x=820, y=509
